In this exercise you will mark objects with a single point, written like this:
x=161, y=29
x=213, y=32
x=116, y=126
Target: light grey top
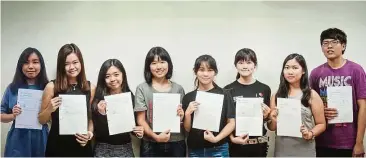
x=297, y=147
x=144, y=102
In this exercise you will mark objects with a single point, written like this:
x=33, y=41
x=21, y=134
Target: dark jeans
x=169, y=149
x=248, y=150
x=331, y=152
x=217, y=151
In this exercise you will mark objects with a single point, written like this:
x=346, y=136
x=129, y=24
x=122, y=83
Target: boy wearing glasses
x=344, y=139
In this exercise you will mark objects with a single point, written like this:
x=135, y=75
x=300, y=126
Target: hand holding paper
x=242, y=139
x=163, y=137
x=17, y=110
x=330, y=113
x=54, y=104
x=192, y=107
x=266, y=110
x=209, y=137
x=139, y=131
x=180, y=112
x=82, y=139
x=273, y=115
x=102, y=107
x=306, y=134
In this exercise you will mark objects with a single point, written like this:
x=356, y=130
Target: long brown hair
x=61, y=83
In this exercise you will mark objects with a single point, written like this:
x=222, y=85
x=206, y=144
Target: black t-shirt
x=101, y=127
x=195, y=139
x=254, y=90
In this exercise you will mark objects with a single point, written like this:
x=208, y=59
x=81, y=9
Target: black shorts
x=331, y=152
x=248, y=150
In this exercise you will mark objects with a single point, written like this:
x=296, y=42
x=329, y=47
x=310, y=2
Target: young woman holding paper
x=294, y=84
x=70, y=80
x=112, y=79
x=246, y=86
x=204, y=143
x=157, y=72
x=30, y=73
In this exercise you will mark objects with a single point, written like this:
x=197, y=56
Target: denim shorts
x=217, y=151
x=169, y=149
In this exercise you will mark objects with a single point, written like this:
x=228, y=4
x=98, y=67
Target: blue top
x=22, y=142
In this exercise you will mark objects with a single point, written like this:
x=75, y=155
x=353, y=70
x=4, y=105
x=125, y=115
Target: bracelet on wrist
x=139, y=137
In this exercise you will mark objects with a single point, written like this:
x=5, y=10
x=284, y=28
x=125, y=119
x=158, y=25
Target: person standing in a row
x=294, y=84
x=204, y=143
x=342, y=139
x=158, y=72
x=70, y=79
x=112, y=79
x=245, y=86
x=30, y=73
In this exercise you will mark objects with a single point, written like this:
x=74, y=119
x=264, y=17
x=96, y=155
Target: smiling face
x=72, y=65
x=114, y=78
x=205, y=74
x=159, y=68
x=245, y=68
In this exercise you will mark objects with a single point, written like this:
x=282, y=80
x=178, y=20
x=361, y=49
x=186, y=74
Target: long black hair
x=102, y=89
x=284, y=86
x=20, y=80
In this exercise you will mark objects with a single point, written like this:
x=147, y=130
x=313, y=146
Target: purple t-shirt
x=339, y=136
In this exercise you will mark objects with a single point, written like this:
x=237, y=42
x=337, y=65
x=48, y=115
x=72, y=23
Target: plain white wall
x=127, y=30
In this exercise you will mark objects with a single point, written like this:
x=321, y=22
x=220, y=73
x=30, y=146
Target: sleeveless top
x=66, y=145
x=297, y=147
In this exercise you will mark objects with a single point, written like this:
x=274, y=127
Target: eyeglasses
x=332, y=43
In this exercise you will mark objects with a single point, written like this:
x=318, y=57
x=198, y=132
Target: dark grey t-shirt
x=144, y=102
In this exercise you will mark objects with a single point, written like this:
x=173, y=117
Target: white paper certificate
x=340, y=98
x=30, y=102
x=208, y=114
x=120, y=113
x=73, y=115
x=165, y=116
x=289, y=117
x=249, y=117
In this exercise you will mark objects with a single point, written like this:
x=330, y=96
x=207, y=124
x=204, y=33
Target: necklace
x=73, y=86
